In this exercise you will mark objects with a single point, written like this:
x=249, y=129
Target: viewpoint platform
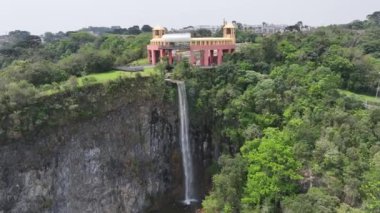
x=206, y=51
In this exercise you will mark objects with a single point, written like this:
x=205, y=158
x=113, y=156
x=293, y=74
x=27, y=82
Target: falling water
x=185, y=145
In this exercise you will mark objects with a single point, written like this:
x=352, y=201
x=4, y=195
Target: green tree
x=134, y=30
x=269, y=48
x=370, y=42
x=335, y=59
x=146, y=29
x=227, y=186
x=371, y=186
x=272, y=168
x=87, y=60
x=314, y=201
x=37, y=73
x=374, y=17
x=20, y=93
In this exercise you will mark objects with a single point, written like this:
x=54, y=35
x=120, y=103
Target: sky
x=39, y=16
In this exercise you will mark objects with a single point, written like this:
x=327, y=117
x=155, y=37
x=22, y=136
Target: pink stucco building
x=202, y=51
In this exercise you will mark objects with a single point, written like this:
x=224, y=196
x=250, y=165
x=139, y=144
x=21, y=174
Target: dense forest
x=31, y=67
x=291, y=138
x=292, y=141
x=290, y=113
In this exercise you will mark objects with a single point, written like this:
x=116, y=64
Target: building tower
x=229, y=32
x=158, y=32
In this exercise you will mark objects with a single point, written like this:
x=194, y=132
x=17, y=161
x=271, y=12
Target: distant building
x=115, y=27
x=212, y=28
x=264, y=28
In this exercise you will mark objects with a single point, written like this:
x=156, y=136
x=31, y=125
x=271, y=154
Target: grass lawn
x=360, y=97
x=94, y=78
x=113, y=75
x=140, y=62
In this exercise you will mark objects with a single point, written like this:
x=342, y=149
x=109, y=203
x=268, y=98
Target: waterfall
x=185, y=144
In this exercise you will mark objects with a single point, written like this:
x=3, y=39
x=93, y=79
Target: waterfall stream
x=185, y=144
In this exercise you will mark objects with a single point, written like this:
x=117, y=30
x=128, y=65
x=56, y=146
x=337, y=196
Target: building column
x=162, y=54
x=192, y=58
x=202, y=58
x=207, y=58
x=220, y=56
x=211, y=58
x=149, y=56
x=154, y=59
x=170, y=56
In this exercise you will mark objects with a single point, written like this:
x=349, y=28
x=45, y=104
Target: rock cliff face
x=116, y=162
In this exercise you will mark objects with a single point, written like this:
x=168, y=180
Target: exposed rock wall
x=117, y=162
